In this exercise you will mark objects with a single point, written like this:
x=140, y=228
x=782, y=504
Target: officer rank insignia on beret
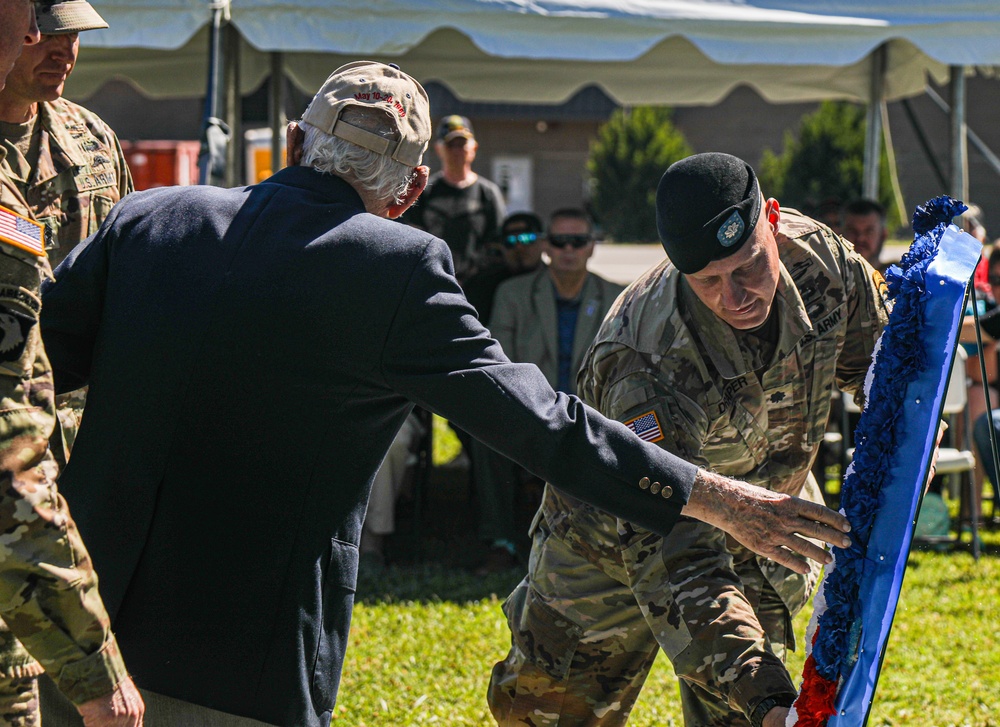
x=707, y=206
x=731, y=230
x=22, y=233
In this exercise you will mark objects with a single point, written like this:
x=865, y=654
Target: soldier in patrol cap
x=67, y=165
x=65, y=160
x=47, y=583
x=724, y=354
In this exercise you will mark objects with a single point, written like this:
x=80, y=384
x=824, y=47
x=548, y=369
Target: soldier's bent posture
x=725, y=355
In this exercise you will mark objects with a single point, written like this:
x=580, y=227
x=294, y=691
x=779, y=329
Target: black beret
x=707, y=206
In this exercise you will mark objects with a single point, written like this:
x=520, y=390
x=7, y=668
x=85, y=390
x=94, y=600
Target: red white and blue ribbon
x=854, y=607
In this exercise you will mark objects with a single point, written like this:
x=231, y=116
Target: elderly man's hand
x=768, y=523
x=122, y=708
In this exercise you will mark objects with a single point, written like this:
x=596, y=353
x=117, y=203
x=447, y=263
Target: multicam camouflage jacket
x=716, y=401
x=81, y=173
x=48, y=588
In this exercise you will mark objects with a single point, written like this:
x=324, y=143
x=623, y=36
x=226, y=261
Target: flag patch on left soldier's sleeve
x=646, y=426
x=21, y=232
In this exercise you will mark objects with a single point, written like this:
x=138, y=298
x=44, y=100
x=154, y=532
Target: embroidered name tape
x=646, y=426
x=21, y=232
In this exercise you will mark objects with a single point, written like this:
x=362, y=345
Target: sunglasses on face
x=994, y=280
x=521, y=238
x=576, y=241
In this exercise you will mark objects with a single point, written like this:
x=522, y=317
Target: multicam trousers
x=601, y=598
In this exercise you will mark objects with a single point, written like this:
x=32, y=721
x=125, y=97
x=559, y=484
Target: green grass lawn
x=424, y=639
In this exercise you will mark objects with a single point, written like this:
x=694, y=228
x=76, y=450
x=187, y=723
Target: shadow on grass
x=435, y=552
x=433, y=583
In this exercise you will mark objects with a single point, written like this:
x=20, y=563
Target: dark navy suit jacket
x=251, y=353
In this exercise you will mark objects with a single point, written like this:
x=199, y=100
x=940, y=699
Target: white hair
x=381, y=176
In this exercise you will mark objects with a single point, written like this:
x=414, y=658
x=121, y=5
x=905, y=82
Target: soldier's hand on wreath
x=122, y=708
x=768, y=523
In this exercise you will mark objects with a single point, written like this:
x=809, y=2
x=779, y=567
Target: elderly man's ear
x=417, y=183
x=294, y=136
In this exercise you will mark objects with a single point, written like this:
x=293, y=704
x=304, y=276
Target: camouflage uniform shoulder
x=70, y=115
x=801, y=239
x=644, y=339
x=794, y=224
x=10, y=196
x=645, y=316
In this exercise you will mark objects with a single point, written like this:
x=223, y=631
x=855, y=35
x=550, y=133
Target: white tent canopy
x=639, y=51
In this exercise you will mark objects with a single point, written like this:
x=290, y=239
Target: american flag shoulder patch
x=22, y=233
x=646, y=426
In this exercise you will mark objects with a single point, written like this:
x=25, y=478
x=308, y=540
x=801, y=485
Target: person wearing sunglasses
x=724, y=354
x=547, y=318
x=520, y=252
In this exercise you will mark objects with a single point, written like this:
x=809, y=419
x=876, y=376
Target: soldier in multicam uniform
x=48, y=588
x=725, y=355
x=66, y=164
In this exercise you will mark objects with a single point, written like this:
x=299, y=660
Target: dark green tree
x=825, y=160
x=630, y=154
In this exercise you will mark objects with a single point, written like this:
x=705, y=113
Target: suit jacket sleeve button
x=644, y=483
x=667, y=492
x=655, y=487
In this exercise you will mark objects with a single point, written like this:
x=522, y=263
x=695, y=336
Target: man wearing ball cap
x=724, y=354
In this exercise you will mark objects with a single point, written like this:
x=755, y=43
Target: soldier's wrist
x=93, y=676
x=760, y=710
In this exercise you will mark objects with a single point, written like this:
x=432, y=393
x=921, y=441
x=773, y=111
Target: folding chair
x=956, y=463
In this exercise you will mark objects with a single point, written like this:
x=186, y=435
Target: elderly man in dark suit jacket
x=251, y=353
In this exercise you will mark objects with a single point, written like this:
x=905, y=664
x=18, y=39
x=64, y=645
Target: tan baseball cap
x=369, y=83
x=67, y=16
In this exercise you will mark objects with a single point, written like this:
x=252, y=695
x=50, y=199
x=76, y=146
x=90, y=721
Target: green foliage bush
x=825, y=160
x=630, y=154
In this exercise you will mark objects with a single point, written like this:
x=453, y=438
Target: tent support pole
x=276, y=109
x=959, y=145
x=973, y=138
x=873, y=127
x=215, y=134
x=234, y=107
x=925, y=144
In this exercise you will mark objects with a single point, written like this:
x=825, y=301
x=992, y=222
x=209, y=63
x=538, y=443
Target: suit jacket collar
x=326, y=185
x=543, y=300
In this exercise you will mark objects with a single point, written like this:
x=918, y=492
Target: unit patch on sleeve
x=15, y=327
